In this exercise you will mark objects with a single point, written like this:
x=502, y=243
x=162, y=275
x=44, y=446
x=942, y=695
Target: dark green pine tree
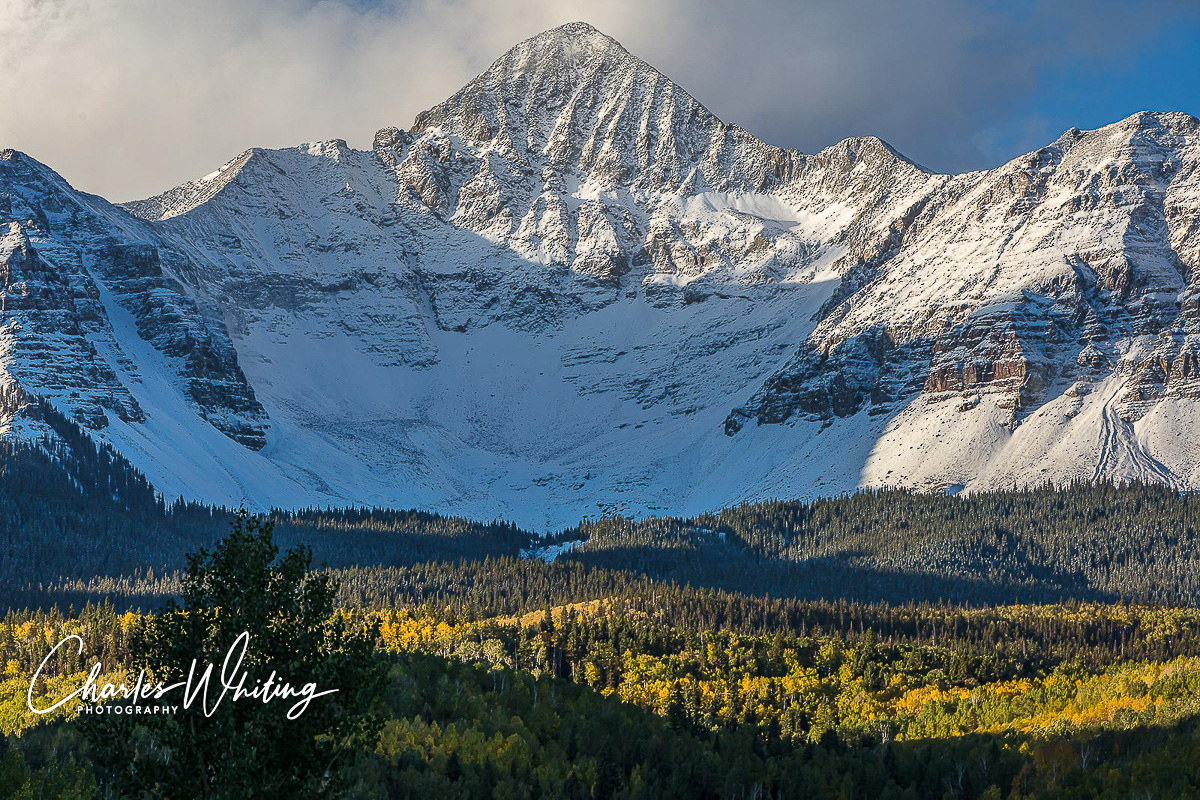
x=247, y=748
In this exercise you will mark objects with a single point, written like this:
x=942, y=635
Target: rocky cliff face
x=571, y=289
x=1053, y=272
x=74, y=272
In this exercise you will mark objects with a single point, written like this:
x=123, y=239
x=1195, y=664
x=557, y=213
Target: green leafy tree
x=248, y=748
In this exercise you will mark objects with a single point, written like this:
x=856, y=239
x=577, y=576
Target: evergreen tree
x=247, y=748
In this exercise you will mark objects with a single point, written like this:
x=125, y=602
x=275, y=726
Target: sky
x=126, y=98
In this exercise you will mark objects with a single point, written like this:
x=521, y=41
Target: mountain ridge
x=569, y=289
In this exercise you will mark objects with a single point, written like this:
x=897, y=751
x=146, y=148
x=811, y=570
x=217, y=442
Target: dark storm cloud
x=127, y=97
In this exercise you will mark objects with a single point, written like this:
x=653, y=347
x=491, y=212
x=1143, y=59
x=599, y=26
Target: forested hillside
x=77, y=522
x=1084, y=541
x=610, y=699
x=1040, y=643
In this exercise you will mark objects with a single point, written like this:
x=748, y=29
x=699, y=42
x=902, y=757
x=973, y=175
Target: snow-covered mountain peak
x=1148, y=119
x=858, y=147
x=571, y=46
x=187, y=196
x=545, y=71
x=576, y=102
x=570, y=289
x=871, y=151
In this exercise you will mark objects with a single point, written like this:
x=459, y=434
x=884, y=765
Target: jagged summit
x=571, y=50
x=578, y=29
x=549, y=68
x=546, y=71
x=1151, y=118
x=568, y=46
x=574, y=100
